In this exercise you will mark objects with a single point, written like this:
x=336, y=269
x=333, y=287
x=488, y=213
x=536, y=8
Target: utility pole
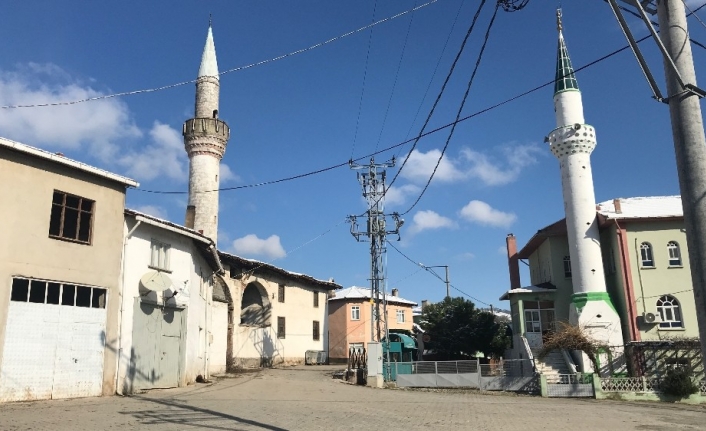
x=372, y=180
x=446, y=280
x=687, y=130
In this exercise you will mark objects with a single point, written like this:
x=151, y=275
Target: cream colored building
x=60, y=270
x=276, y=316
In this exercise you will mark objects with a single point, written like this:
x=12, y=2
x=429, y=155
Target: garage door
x=54, y=341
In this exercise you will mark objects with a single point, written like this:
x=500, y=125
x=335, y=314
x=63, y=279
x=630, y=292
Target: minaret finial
x=559, y=26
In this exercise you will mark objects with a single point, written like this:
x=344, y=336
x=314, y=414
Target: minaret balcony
x=206, y=127
x=572, y=139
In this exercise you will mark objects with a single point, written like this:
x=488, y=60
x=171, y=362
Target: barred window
x=317, y=335
x=316, y=299
x=281, y=330
x=280, y=293
x=71, y=218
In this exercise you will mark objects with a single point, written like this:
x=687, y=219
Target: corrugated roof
x=642, y=207
x=355, y=292
x=62, y=160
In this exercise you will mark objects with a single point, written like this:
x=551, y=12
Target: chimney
x=395, y=292
x=424, y=304
x=616, y=204
x=513, y=262
x=190, y=216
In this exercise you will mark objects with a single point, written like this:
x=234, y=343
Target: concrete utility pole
x=689, y=144
x=687, y=129
x=373, y=183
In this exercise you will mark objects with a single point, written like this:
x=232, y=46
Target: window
x=159, y=259
x=317, y=336
x=281, y=327
x=567, y=266
x=669, y=312
x=51, y=292
x=71, y=218
x=674, y=253
x=532, y=321
x=646, y=255
x=316, y=299
x=400, y=316
x=355, y=312
x=280, y=293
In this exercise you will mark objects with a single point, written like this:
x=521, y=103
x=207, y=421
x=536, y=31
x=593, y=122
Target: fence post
x=456, y=367
x=597, y=389
x=543, y=389
x=643, y=380
x=480, y=373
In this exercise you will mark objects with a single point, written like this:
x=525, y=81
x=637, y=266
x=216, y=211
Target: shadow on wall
x=133, y=372
x=267, y=347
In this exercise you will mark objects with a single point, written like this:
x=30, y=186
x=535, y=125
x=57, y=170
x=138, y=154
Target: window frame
x=674, y=253
x=97, y=296
x=669, y=306
x=62, y=217
x=280, y=293
x=316, y=328
x=281, y=327
x=400, y=313
x=647, y=257
x=567, y=266
x=355, y=312
x=164, y=250
x=316, y=299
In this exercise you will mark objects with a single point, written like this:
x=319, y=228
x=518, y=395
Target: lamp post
x=428, y=268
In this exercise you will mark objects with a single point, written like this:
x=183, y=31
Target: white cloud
x=398, y=195
x=227, y=175
x=502, y=250
x=466, y=256
x=152, y=210
x=495, y=173
x=420, y=166
x=163, y=157
x=482, y=213
x=252, y=245
x=98, y=124
x=427, y=220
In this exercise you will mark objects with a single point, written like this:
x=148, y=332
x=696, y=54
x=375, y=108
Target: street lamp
x=428, y=268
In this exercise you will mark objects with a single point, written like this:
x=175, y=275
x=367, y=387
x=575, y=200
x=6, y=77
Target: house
x=646, y=265
x=60, y=266
x=171, y=307
x=276, y=316
x=350, y=312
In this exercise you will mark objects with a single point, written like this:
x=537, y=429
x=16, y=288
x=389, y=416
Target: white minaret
x=572, y=143
x=205, y=140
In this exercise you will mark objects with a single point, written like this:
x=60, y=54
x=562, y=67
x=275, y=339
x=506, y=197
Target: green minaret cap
x=565, y=78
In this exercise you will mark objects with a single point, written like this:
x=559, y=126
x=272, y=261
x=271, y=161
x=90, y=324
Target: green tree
x=458, y=330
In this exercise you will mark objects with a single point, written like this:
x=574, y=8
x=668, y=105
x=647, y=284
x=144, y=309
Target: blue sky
x=311, y=111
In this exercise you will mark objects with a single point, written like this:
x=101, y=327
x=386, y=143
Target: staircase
x=551, y=365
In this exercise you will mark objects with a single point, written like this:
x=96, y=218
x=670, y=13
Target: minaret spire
x=565, y=79
x=205, y=140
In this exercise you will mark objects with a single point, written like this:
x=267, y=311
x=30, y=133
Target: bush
x=678, y=382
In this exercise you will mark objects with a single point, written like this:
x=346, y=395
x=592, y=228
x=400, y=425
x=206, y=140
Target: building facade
x=60, y=271
x=350, y=319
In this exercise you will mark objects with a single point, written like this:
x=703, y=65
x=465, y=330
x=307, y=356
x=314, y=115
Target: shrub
x=678, y=382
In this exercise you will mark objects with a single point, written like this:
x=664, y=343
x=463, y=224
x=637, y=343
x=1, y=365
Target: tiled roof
x=642, y=207
x=356, y=292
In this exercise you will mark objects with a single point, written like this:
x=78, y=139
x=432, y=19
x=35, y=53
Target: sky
x=346, y=99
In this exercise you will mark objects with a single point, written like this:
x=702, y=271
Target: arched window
x=646, y=255
x=567, y=266
x=255, y=307
x=669, y=312
x=674, y=253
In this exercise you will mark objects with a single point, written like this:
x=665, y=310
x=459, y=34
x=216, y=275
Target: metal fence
x=516, y=375
x=571, y=385
x=638, y=384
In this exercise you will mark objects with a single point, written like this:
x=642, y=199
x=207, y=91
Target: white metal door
x=52, y=351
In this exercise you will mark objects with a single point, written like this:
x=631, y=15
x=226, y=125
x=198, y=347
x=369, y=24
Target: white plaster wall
x=188, y=270
x=250, y=344
x=219, y=343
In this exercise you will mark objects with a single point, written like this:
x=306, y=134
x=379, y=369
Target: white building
x=172, y=329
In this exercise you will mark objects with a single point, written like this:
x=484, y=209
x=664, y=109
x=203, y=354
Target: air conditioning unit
x=651, y=317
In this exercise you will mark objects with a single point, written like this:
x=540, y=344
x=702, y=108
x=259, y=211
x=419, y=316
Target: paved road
x=306, y=398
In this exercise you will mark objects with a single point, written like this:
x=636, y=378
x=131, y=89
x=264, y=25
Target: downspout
x=118, y=389
x=628, y=286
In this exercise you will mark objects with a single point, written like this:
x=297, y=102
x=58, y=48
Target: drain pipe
x=118, y=389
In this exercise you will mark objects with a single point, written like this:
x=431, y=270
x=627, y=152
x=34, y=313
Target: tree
x=458, y=330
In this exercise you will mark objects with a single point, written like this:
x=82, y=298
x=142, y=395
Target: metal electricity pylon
x=372, y=179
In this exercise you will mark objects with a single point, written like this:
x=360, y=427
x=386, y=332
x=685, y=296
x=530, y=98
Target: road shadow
x=178, y=413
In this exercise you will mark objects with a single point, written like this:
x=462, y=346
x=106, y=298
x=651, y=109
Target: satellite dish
x=156, y=281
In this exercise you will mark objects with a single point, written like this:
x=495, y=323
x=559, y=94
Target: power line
x=686, y=5
x=460, y=109
x=427, y=133
x=429, y=270
x=365, y=75
x=236, y=69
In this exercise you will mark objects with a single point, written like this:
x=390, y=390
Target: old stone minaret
x=205, y=140
x=572, y=143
